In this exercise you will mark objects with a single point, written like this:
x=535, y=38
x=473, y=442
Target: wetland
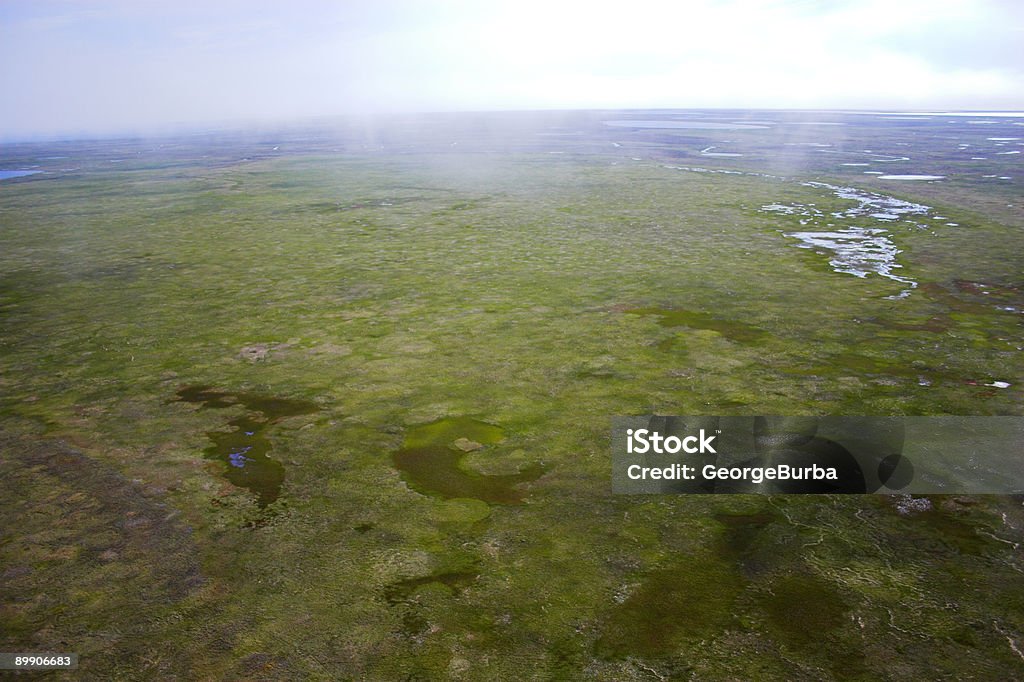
x=282, y=403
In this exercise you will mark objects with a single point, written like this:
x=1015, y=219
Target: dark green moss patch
x=402, y=591
x=403, y=594
x=740, y=332
x=743, y=540
x=431, y=462
x=940, y=530
x=804, y=610
x=685, y=603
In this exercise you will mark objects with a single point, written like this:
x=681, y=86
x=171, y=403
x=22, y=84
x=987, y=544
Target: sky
x=72, y=67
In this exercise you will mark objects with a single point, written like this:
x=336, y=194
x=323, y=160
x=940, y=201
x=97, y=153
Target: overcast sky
x=101, y=66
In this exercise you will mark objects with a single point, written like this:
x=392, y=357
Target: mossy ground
x=528, y=298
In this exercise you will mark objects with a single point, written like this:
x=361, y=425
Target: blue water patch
x=670, y=124
x=8, y=174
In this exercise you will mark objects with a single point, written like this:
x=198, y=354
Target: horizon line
x=187, y=128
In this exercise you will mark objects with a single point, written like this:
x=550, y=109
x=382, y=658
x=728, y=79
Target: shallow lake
x=8, y=174
x=698, y=125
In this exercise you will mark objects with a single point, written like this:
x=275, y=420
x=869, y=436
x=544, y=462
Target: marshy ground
x=334, y=403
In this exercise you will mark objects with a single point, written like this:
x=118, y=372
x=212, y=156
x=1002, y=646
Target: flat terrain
x=333, y=402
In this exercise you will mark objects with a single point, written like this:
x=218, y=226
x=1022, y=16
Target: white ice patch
x=792, y=209
x=870, y=202
x=698, y=169
x=911, y=177
x=855, y=249
x=707, y=152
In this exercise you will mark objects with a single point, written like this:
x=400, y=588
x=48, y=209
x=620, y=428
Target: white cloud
x=115, y=64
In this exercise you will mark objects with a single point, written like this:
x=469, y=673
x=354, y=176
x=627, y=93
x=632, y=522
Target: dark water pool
x=245, y=448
